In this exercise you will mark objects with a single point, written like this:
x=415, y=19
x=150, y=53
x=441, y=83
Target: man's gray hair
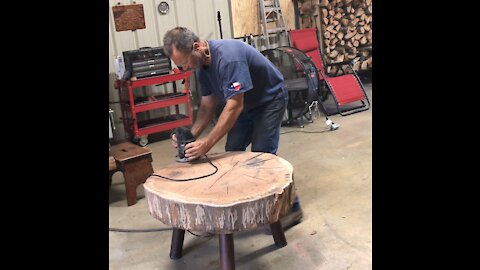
x=180, y=37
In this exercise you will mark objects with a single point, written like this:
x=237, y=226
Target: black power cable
x=155, y=230
x=304, y=131
x=189, y=179
x=165, y=229
x=138, y=230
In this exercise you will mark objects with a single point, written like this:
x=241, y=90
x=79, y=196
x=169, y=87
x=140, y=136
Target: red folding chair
x=347, y=89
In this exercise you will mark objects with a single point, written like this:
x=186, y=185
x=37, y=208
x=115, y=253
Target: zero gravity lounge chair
x=347, y=89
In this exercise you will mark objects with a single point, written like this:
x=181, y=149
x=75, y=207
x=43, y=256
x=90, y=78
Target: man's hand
x=174, y=141
x=197, y=148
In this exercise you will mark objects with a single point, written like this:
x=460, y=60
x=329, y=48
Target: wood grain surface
x=248, y=190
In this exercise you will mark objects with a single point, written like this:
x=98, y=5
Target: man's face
x=187, y=62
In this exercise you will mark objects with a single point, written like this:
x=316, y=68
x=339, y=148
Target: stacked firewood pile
x=345, y=27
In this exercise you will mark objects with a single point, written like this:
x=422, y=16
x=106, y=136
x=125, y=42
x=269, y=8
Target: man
x=247, y=82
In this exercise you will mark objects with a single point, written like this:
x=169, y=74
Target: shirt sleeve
x=235, y=79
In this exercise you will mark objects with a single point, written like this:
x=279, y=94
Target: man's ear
x=196, y=45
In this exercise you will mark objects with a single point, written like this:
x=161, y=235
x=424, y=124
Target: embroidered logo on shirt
x=235, y=86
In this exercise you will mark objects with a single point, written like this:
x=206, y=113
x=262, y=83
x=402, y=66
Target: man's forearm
x=204, y=116
x=227, y=119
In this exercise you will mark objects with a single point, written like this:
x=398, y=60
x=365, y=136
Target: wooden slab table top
x=249, y=190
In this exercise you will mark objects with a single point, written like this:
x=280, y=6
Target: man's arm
x=204, y=115
x=227, y=119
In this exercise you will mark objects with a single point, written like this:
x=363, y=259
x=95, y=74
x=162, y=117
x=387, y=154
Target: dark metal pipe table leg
x=278, y=234
x=227, y=256
x=177, y=243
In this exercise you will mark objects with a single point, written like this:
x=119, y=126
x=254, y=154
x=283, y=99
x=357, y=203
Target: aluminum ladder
x=271, y=19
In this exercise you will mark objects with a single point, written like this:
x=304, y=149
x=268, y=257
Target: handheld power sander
x=184, y=137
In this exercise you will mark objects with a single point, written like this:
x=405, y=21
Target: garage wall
x=198, y=15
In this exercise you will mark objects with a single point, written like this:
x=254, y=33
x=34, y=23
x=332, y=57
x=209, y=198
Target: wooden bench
x=112, y=168
x=134, y=162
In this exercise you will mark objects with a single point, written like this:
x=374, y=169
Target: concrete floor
x=333, y=177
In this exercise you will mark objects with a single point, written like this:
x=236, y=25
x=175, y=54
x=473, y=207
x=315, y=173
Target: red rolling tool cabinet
x=132, y=106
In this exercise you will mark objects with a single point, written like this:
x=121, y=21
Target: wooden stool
x=249, y=190
x=136, y=164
